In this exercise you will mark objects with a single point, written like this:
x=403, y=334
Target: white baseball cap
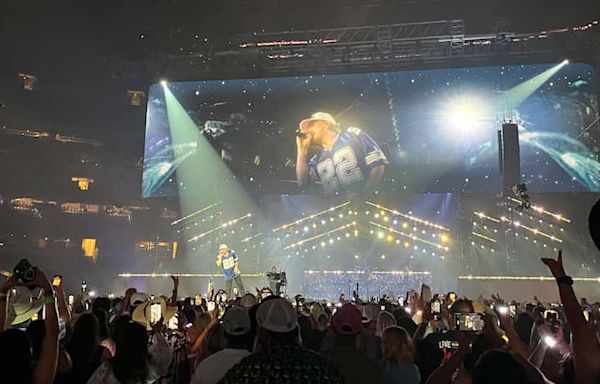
x=318, y=116
x=277, y=315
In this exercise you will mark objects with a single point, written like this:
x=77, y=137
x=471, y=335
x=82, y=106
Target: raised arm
x=45, y=369
x=173, y=299
x=585, y=349
x=302, y=145
x=63, y=308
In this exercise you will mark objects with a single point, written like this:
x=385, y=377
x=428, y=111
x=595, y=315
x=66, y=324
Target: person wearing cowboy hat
x=16, y=360
x=342, y=160
x=231, y=269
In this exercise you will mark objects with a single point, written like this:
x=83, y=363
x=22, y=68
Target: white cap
x=318, y=116
x=223, y=246
x=277, y=315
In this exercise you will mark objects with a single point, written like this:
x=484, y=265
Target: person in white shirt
x=238, y=341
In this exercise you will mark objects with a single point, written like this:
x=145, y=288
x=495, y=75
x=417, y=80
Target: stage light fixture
x=163, y=83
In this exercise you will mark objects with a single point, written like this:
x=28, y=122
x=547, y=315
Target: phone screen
x=210, y=305
x=513, y=310
x=71, y=299
x=586, y=314
x=56, y=280
x=469, y=322
x=155, y=313
x=173, y=323
x=198, y=300
x=551, y=316
x=436, y=307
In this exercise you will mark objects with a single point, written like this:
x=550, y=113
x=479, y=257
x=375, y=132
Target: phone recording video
x=551, y=316
x=155, y=313
x=436, y=307
x=468, y=322
x=198, y=300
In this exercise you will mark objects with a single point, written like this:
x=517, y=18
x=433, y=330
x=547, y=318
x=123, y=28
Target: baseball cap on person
x=236, y=321
x=347, y=320
x=318, y=116
x=277, y=315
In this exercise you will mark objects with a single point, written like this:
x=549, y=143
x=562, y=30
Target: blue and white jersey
x=346, y=166
x=229, y=261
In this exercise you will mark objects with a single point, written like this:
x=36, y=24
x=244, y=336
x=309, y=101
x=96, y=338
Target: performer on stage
x=344, y=160
x=231, y=269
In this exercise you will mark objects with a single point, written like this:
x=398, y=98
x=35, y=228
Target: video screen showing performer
x=340, y=160
x=231, y=269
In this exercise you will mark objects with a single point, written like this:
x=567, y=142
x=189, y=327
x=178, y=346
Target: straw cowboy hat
x=24, y=304
x=141, y=314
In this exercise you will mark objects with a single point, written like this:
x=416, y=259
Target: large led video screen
x=413, y=131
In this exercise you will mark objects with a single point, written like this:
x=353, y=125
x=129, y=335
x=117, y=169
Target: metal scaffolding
x=380, y=47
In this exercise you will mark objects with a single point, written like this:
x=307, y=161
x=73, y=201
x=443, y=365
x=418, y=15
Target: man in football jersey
x=348, y=160
x=231, y=269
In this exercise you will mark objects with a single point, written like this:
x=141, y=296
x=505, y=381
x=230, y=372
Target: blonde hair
x=397, y=345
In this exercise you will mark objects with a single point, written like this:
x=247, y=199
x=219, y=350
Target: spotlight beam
x=517, y=95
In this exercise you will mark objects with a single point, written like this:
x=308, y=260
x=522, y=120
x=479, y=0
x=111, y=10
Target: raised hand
x=556, y=266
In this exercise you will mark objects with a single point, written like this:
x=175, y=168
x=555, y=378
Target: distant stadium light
x=28, y=81
x=136, y=97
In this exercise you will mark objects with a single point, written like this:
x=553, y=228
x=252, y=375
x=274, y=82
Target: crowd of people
x=264, y=338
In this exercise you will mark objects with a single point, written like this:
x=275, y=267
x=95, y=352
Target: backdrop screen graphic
x=415, y=131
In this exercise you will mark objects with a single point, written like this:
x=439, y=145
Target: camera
x=25, y=272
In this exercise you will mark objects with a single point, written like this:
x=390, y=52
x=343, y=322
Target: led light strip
x=251, y=237
x=184, y=274
x=539, y=209
x=482, y=215
x=407, y=235
x=196, y=213
x=483, y=237
x=532, y=230
x=540, y=278
x=313, y=238
x=311, y=272
x=409, y=217
x=314, y=215
x=224, y=225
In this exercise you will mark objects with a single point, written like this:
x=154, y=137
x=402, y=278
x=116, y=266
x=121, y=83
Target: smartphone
x=586, y=314
x=198, y=300
x=383, y=307
x=173, y=324
x=512, y=310
x=155, y=313
x=56, y=280
x=551, y=316
x=71, y=299
x=401, y=301
x=468, y=322
x=502, y=309
x=436, y=306
x=83, y=286
x=210, y=306
x=452, y=296
x=235, y=292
